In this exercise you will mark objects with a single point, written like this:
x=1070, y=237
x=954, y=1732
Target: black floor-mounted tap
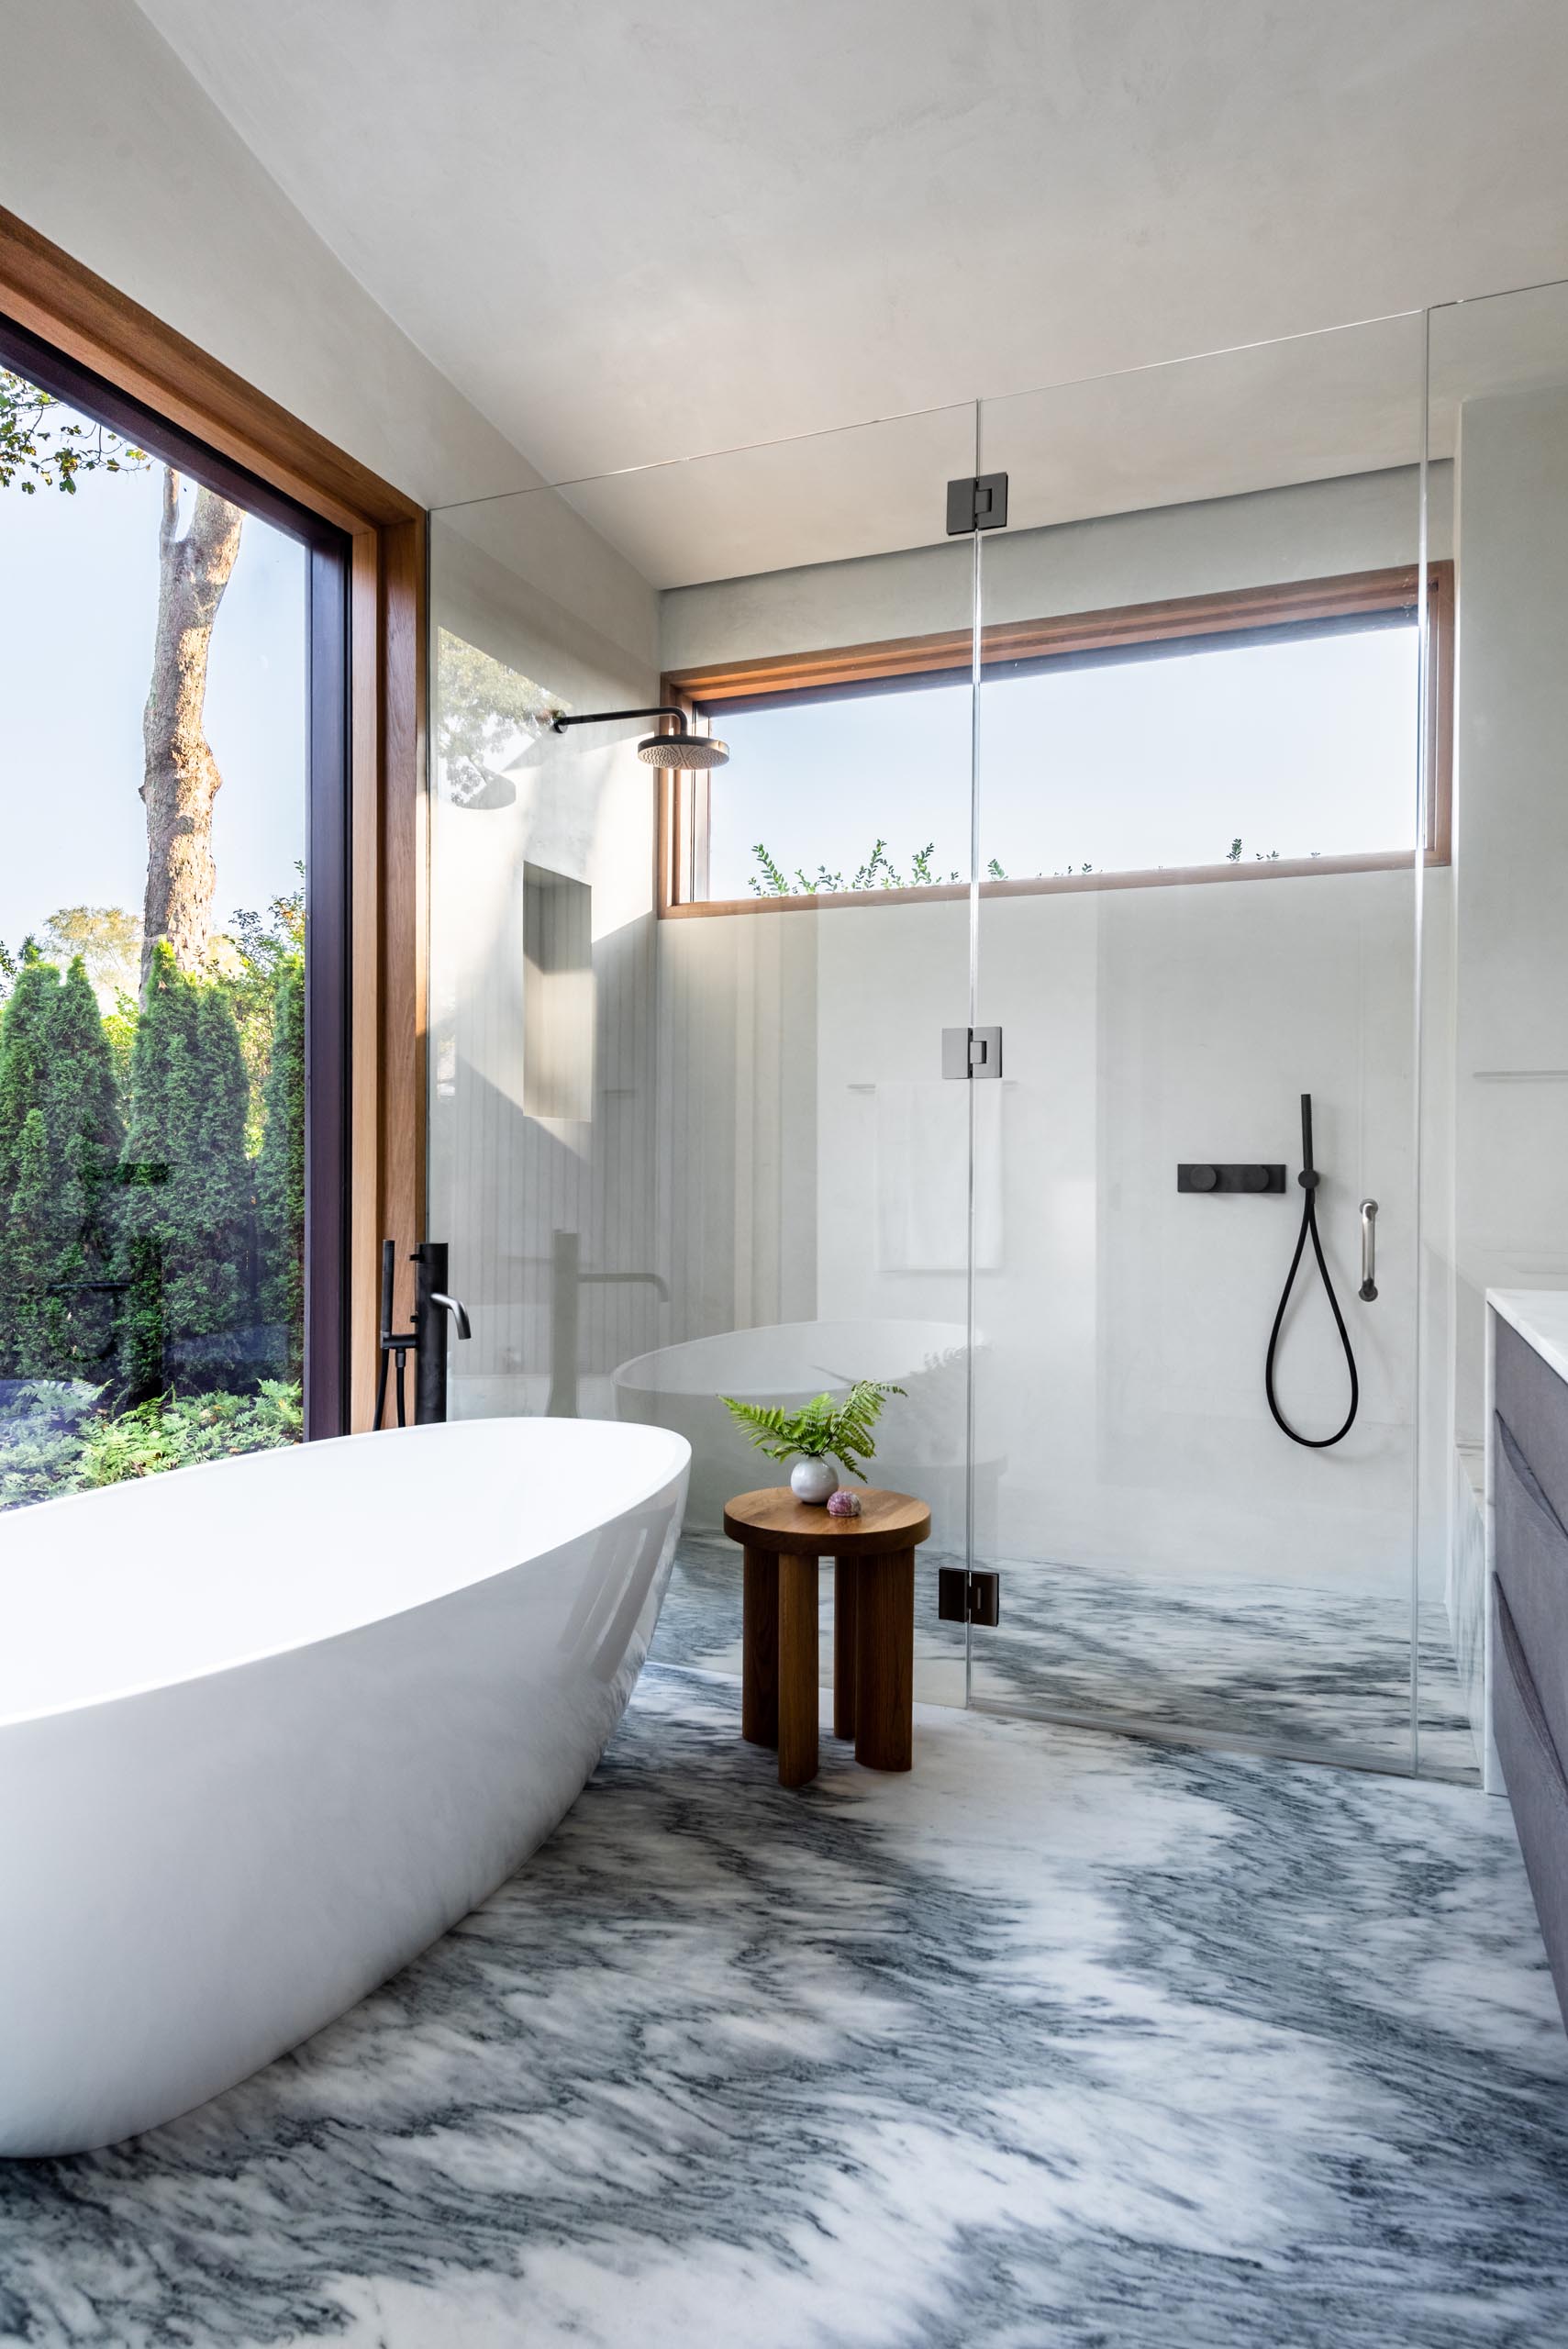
x=425, y=1338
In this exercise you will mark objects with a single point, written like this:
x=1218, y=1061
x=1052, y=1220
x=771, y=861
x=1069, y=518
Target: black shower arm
x=608, y=717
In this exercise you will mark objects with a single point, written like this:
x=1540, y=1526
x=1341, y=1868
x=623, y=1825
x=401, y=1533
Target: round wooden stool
x=873, y=1625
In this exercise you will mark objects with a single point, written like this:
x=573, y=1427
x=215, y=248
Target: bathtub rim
x=679, y=1470
x=620, y=1375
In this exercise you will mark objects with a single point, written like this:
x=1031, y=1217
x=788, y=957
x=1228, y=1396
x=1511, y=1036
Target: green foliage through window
x=42, y=443
x=55, y=1441
x=151, y=1206
x=879, y=871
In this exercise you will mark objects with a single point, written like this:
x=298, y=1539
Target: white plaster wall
x=108, y=147
x=526, y=582
x=1126, y=1330
x=1363, y=522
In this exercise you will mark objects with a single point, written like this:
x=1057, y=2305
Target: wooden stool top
x=773, y=1520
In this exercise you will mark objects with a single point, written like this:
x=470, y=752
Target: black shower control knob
x=1254, y=1178
x=1204, y=1178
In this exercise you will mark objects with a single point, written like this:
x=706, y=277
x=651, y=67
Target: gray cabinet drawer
x=1537, y=1790
x=1532, y=1570
x=1532, y=1402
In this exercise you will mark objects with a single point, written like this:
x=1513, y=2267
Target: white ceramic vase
x=815, y=1481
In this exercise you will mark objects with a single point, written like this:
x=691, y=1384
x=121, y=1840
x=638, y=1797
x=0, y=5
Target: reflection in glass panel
x=680, y=1154
x=152, y=1029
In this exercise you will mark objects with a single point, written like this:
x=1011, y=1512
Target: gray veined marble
x=1299, y=1667
x=1061, y=2041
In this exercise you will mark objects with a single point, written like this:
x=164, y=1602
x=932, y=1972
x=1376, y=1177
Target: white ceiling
x=630, y=233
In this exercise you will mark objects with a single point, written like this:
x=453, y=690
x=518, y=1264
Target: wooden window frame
x=1253, y=611
x=78, y=314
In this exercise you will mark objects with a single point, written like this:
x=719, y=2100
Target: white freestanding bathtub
x=268, y=1728
x=921, y=1442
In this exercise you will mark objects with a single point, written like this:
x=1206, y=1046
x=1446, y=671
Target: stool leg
x=884, y=1695
x=798, y=1671
x=844, y=1648
x=760, y=1650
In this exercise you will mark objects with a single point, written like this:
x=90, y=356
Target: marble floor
x=1309, y=1669
x=1065, y=2041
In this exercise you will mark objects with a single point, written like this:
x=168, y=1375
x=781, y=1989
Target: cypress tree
x=225, y=1187
x=86, y=1133
x=25, y=1175
x=34, y=1315
x=187, y=1210
x=24, y=1058
x=280, y=1183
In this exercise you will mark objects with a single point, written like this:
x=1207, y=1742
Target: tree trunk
x=181, y=780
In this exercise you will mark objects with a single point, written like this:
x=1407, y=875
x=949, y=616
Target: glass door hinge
x=977, y=504
x=972, y=1052
x=965, y=1598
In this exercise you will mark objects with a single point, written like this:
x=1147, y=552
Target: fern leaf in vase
x=842, y=1430
x=771, y=1428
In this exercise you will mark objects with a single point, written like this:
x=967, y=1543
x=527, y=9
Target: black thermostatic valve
x=1205, y=1178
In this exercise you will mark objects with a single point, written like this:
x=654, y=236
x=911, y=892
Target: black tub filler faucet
x=425, y=1338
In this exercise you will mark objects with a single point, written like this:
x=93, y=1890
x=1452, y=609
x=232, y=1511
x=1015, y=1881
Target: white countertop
x=1541, y=1317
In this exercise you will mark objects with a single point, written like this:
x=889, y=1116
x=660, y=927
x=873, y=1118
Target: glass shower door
x=689, y=1134
x=1495, y=1088
x=1201, y=823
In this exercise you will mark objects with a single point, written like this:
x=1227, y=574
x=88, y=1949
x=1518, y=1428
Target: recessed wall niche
x=558, y=996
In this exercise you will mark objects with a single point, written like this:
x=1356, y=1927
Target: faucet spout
x=432, y=1303
x=613, y=1280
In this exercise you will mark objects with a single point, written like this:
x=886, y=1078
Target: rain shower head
x=680, y=749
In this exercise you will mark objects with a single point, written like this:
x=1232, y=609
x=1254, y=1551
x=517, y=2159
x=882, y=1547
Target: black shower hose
x=1308, y=1180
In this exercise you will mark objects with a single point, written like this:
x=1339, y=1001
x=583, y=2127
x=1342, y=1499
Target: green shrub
x=280, y=1173
x=40, y=1441
x=188, y=1230
x=180, y=1430
x=60, y=1137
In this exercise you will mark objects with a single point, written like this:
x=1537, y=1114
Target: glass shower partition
x=1495, y=1143
x=954, y=1033
x=689, y=1135
x=1203, y=807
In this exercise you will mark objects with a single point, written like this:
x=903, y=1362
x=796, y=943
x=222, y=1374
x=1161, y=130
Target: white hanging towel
x=922, y=1176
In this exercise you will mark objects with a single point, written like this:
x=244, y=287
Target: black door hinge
x=965, y=1598
x=977, y=504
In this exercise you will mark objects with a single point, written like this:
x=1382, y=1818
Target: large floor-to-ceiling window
x=172, y=946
